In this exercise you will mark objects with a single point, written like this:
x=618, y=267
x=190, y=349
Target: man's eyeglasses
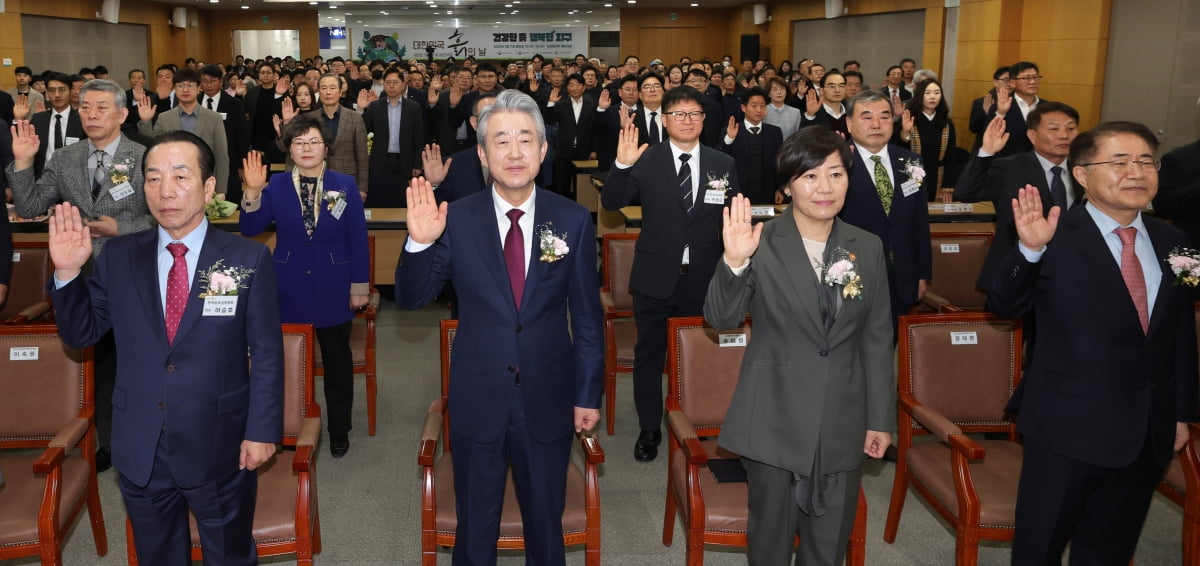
x=651, y=87
x=680, y=115
x=305, y=144
x=393, y=82
x=1029, y=78
x=835, y=86
x=1123, y=166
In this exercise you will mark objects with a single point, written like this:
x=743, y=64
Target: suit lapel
x=1161, y=250
x=846, y=307
x=1095, y=252
x=799, y=268
x=543, y=212
x=145, y=278
x=899, y=176
x=210, y=252
x=489, y=247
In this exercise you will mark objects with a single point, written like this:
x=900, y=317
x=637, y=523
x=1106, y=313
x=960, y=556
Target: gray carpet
x=370, y=499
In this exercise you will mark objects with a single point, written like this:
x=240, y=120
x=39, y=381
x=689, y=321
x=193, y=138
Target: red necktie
x=1131, y=272
x=177, y=290
x=514, y=255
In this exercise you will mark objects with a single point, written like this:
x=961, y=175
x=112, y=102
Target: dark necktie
x=754, y=129
x=652, y=129
x=1131, y=272
x=58, y=136
x=685, y=182
x=306, y=203
x=177, y=290
x=1058, y=189
x=514, y=255
x=210, y=103
x=98, y=174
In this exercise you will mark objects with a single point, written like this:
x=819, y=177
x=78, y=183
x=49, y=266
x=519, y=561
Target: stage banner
x=508, y=42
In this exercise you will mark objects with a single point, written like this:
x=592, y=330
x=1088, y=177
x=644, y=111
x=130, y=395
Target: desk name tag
x=762, y=211
x=949, y=248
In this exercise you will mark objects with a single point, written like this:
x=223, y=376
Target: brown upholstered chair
x=362, y=343
x=957, y=260
x=620, y=332
x=28, y=300
x=702, y=376
x=957, y=372
x=1183, y=478
x=46, y=404
x=286, y=520
x=439, y=521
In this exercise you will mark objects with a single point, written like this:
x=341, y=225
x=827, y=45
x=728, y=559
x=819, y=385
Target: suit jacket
x=998, y=179
x=464, y=178
x=783, y=421
x=559, y=370
x=1108, y=387
x=1018, y=140
x=348, y=153
x=7, y=104
x=211, y=398
x=131, y=120
x=1178, y=197
x=576, y=139
x=772, y=138
x=445, y=121
x=666, y=226
x=886, y=91
x=822, y=118
x=904, y=232
x=237, y=133
x=608, y=130
x=67, y=179
x=315, y=270
x=209, y=127
x=979, y=121
x=411, y=135
x=41, y=125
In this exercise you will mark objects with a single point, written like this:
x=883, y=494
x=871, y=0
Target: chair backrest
x=448, y=329
x=298, y=368
x=371, y=259
x=963, y=365
x=703, y=367
x=43, y=384
x=617, y=264
x=957, y=260
x=31, y=269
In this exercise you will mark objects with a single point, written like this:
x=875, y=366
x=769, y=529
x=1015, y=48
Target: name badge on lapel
x=70, y=140
x=223, y=115
x=338, y=209
x=121, y=191
x=713, y=196
x=220, y=305
x=909, y=187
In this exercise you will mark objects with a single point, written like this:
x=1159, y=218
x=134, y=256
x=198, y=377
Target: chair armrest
x=32, y=312
x=938, y=303
x=964, y=445
x=934, y=422
x=67, y=438
x=683, y=430
x=592, y=452
x=430, y=433
x=306, y=444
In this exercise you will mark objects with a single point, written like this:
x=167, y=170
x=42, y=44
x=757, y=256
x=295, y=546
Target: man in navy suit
x=521, y=379
x=576, y=116
x=1103, y=416
x=754, y=146
x=887, y=201
x=683, y=187
x=191, y=419
x=1015, y=103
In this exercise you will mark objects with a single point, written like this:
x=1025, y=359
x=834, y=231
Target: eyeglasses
x=1122, y=166
x=393, y=82
x=834, y=86
x=680, y=115
x=651, y=87
x=305, y=144
x=185, y=86
x=1029, y=78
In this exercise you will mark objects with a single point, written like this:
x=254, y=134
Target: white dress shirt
x=870, y=163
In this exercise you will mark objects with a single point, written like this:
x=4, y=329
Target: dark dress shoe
x=646, y=449
x=339, y=447
x=103, y=460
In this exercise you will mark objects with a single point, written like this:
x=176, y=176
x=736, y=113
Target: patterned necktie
x=883, y=185
x=177, y=290
x=1131, y=272
x=685, y=182
x=58, y=135
x=652, y=129
x=754, y=130
x=98, y=174
x=514, y=255
x=306, y=204
x=1058, y=189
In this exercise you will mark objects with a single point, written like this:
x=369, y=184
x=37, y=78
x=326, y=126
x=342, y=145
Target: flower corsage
x=843, y=271
x=332, y=198
x=118, y=172
x=554, y=246
x=914, y=170
x=1185, y=263
x=715, y=184
x=220, y=280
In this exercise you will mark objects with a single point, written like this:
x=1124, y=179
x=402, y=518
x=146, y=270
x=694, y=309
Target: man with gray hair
x=521, y=380
x=103, y=179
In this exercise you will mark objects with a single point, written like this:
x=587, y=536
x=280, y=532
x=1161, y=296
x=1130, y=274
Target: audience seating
x=28, y=300
x=702, y=376
x=957, y=260
x=620, y=332
x=47, y=404
x=956, y=373
x=581, y=518
x=362, y=343
x=286, y=520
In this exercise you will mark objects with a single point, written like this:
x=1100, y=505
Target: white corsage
x=843, y=271
x=1185, y=263
x=913, y=170
x=332, y=198
x=219, y=280
x=715, y=184
x=554, y=246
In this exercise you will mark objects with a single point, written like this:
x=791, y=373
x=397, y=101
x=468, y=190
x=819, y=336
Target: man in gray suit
x=190, y=116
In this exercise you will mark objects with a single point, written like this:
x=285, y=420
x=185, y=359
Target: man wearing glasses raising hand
x=683, y=187
x=1015, y=103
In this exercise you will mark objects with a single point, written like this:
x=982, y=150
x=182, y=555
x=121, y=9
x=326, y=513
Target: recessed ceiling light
x=503, y=13
x=358, y=21
x=245, y=7
x=695, y=4
x=631, y=1
x=437, y=13
x=333, y=6
x=214, y=1
x=312, y=3
x=588, y=12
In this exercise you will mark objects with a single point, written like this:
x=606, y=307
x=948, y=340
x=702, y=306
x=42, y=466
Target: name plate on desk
x=367, y=213
x=958, y=207
x=762, y=211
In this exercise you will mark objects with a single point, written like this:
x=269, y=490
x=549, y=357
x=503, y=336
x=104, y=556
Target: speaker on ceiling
x=750, y=46
x=110, y=11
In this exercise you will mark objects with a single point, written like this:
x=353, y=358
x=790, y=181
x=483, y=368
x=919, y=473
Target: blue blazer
x=200, y=395
x=904, y=232
x=559, y=370
x=464, y=178
x=315, y=273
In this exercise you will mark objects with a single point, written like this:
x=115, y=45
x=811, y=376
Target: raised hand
x=626, y=119
x=906, y=124
x=897, y=104
x=281, y=87
x=555, y=94
x=288, y=110
x=426, y=219
x=435, y=83
x=738, y=233
x=731, y=130
x=255, y=173
x=628, y=151
x=605, y=100
x=21, y=107
x=145, y=108
x=812, y=104
x=1003, y=101
x=278, y=123
x=70, y=241
x=25, y=144
x=39, y=106
x=988, y=101
x=431, y=161
x=365, y=97
x=995, y=136
x=1033, y=230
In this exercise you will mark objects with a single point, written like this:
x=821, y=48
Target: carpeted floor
x=369, y=500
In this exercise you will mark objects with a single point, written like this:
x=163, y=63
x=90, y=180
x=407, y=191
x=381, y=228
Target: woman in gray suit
x=817, y=389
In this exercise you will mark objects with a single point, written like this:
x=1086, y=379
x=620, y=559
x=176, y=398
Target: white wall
x=257, y=44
